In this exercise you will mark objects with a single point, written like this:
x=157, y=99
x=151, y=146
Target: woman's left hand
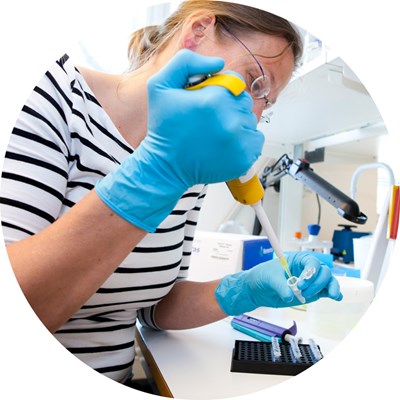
x=265, y=285
x=320, y=284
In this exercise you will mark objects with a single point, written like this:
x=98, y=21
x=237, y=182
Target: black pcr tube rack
x=257, y=357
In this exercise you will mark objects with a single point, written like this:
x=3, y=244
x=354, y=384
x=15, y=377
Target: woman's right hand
x=194, y=137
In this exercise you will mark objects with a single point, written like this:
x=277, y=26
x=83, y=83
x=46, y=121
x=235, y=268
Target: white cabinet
x=327, y=101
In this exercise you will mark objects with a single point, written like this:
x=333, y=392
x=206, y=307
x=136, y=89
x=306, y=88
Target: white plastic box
x=217, y=254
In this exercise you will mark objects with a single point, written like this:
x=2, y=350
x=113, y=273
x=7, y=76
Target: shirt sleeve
x=35, y=170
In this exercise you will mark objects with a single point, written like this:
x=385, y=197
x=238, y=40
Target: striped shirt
x=63, y=142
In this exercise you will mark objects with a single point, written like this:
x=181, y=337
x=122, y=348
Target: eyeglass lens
x=260, y=87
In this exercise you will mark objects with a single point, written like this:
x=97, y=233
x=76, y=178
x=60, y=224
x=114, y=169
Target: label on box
x=223, y=251
x=217, y=254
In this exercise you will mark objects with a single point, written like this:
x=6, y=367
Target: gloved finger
x=234, y=73
x=253, y=142
x=331, y=290
x=243, y=101
x=319, y=282
x=284, y=292
x=246, y=103
x=186, y=63
x=334, y=289
x=270, y=277
x=245, y=97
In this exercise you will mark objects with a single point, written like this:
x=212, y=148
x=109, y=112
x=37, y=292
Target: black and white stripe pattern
x=62, y=144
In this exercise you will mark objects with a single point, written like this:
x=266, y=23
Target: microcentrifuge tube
x=309, y=273
x=294, y=347
x=276, y=350
x=314, y=350
x=292, y=283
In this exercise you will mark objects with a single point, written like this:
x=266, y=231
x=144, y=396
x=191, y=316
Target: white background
x=35, y=33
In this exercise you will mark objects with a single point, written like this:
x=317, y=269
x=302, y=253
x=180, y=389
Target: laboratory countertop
x=195, y=363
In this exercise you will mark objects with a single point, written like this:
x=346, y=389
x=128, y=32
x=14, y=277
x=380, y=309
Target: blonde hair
x=148, y=41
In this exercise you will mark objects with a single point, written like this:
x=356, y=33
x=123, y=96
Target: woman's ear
x=197, y=28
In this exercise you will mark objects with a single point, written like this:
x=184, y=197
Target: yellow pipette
x=248, y=190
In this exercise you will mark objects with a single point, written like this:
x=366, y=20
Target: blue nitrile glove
x=200, y=136
x=265, y=285
x=321, y=284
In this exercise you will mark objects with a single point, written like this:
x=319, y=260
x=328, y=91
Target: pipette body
x=246, y=189
x=266, y=225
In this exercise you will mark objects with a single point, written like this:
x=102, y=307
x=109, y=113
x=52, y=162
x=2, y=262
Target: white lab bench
x=195, y=363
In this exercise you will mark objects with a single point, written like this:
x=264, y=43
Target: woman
x=105, y=175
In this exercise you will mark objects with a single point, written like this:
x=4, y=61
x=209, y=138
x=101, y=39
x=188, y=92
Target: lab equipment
x=261, y=357
x=276, y=350
x=390, y=180
x=294, y=347
x=264, y=221
x=246, y=189
x=293, y=282
x=308, y=273
x=267, y=332
x=285, y=348
x=343, y=248
x=262, y=330
x=300, y=170
x=346, y=207
x=381, y=249
x=182, y=148
x=315, y=351
x=394, y=213
x=313, y=243
x=229, y=81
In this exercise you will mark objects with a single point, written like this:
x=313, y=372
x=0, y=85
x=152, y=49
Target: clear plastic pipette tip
x=264, y=221
x=285, y=266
